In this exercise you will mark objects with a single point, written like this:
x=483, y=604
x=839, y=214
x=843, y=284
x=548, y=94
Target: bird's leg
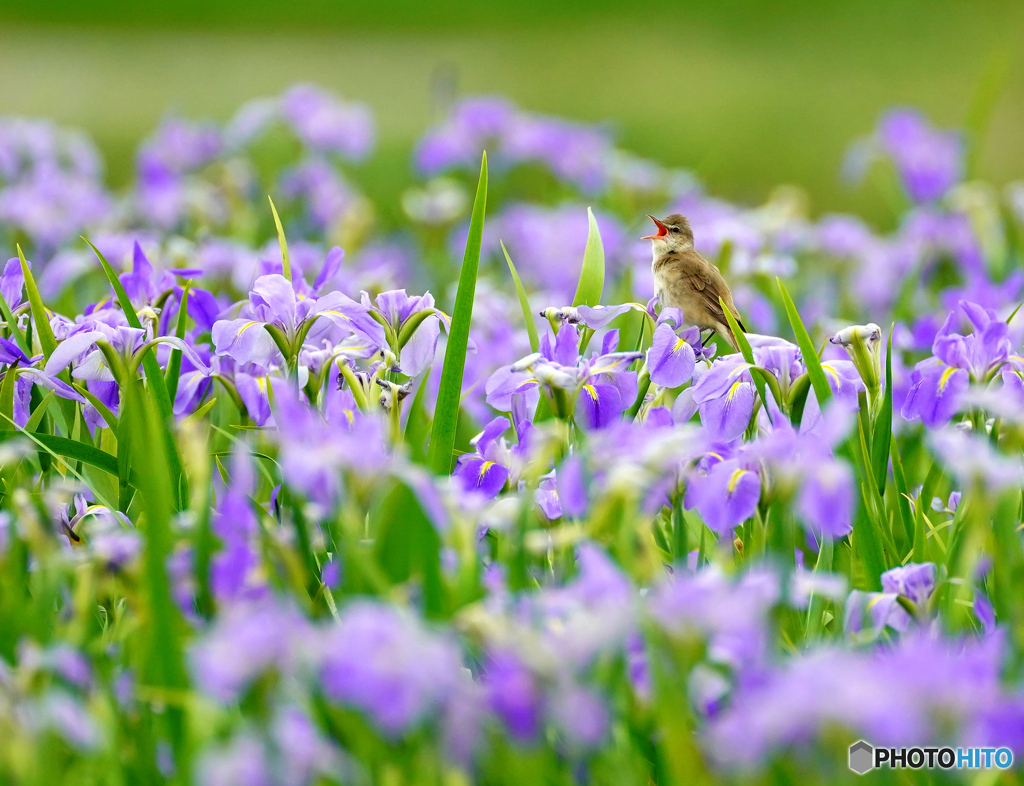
x=704, y=341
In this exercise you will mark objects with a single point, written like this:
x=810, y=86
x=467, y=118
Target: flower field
x=294, y=494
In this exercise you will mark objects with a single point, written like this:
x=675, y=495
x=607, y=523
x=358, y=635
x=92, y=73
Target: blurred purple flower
x=513, y=694
x=929, y=161
x=726, y=496
x=327, y=123
x=384, y=662
x=245, y=641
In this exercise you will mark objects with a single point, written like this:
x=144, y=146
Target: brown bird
x=683, y=279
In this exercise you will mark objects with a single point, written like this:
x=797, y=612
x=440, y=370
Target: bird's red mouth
x=662, y=229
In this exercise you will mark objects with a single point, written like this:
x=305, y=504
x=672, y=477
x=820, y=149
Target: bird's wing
x=701, y=276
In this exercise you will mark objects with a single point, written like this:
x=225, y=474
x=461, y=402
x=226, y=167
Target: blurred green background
x=748, y=94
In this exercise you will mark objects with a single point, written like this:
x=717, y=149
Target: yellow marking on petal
x=736, y=475
x=944, y=379
x=337, y=314
x=874, y=600
x=832, y=371
x=351, y=416
x=716, y=455
x=679, y=345
x=591, y=392
x=246, y=326
x=733, y=389
x=484, y=467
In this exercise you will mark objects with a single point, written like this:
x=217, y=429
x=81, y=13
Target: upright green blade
x=803, y=339
x=10, y=378
x=286, y=265
x=155, y=380
x=882, y=432
x=591, y=284
x=17, y=333
x=524, y=302
x=446, y=419
x=748, y=355
x=408, y=546
x=39, y=316
x=149, y=362
x=164, y=663
x=174, y=363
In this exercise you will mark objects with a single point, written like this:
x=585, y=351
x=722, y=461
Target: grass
x=746, y=96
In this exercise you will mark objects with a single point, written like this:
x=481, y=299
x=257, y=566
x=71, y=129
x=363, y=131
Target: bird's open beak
x=662, y=229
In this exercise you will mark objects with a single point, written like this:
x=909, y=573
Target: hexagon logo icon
x=862, y=757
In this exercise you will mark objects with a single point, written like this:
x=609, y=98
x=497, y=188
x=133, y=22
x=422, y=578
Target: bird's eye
x=675, y=229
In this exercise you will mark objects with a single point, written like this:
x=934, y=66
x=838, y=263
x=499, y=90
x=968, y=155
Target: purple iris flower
x=80, y=348
x=915, y=581
x=484, y=471
x=139, y=284
x=108, y=534
x=936, y=392
x=274, y=302
x=777, y=355
x=726, y=496
x=27, y=374
x=254, y=390
x=599, y=405
x=546, y=497
x=724, y=396
x=416, y=313
x=844, y=380
x=10, y=353
x=12, y=282
x=601, y=384
x=673, y=356
x=314, y=452
x=940, y=383
x=982, y=351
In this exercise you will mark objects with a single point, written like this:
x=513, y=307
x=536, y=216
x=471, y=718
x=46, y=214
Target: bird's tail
x=726, y=332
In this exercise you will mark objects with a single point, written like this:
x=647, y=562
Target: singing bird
x=683, y=279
